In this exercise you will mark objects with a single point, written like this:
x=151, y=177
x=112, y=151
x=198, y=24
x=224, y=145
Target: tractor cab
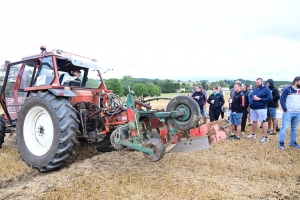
x=64, y=74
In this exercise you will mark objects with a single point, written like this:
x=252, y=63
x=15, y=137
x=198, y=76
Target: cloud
x=161, y=39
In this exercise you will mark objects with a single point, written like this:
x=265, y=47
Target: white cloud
x=161, y=39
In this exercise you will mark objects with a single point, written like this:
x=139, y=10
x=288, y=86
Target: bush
x=115, y=85
x=140, y=89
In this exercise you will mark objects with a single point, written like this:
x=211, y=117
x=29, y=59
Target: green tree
x=92, y=83
x=222, y=83
x=153, y=90
x=167, y=86
x=127, y=81
x=140, y=89
x=158, y=90
x=207, y=86
x=176, y=86
x=203, y=84
x=115, y=85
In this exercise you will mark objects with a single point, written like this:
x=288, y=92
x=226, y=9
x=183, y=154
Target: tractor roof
x=76, y=60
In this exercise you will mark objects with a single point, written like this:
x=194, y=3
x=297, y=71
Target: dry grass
x=230, y=170
x=245, y=169
x=11, y=162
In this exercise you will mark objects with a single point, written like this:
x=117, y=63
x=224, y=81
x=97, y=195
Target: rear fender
x=62, y=92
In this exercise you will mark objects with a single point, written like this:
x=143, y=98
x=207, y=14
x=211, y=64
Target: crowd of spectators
x=253, y=106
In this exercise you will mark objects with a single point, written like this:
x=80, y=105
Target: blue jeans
x=289, y=119
x=203, y=111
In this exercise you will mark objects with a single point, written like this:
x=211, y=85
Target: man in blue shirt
x=258, y=102
x=290, y=103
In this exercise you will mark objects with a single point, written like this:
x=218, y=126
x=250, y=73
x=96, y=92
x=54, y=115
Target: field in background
x=245, y=169
x=163, y=103
x=187, y=94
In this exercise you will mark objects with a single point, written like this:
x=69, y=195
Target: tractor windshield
x=77, y=76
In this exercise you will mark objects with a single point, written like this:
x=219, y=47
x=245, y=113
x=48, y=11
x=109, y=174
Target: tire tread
x=2, y=130
x=68, y=131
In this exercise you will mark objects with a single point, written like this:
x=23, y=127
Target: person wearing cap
x=290, y=103
x=258, y=102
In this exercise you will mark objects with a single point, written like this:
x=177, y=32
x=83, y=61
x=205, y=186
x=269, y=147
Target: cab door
x=18, y=77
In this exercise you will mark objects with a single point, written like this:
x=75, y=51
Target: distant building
x=180, y=90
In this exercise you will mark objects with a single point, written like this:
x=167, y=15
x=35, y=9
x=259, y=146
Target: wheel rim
x=154, y=148
x=182, y=119
x=38, y=131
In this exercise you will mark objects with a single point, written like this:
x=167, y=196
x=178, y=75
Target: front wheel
x=47, y=131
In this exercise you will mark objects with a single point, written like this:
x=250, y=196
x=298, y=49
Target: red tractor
x=59, y=99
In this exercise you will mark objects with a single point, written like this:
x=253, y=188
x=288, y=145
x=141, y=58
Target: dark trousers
x=244, y=120
x=222, y=115
x=214, y=114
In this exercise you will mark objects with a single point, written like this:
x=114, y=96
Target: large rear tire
x=2, y=131
x=192, y=113
x=47, y=131
x=104, y=145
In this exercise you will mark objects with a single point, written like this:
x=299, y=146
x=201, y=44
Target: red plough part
x=199, y=137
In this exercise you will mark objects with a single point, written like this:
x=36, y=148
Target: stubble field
x=245, y=169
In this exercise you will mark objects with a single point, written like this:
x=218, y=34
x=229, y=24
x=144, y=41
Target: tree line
x=141, y=86
x=154, y=87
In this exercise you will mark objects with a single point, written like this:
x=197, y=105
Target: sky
x=179, y=40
